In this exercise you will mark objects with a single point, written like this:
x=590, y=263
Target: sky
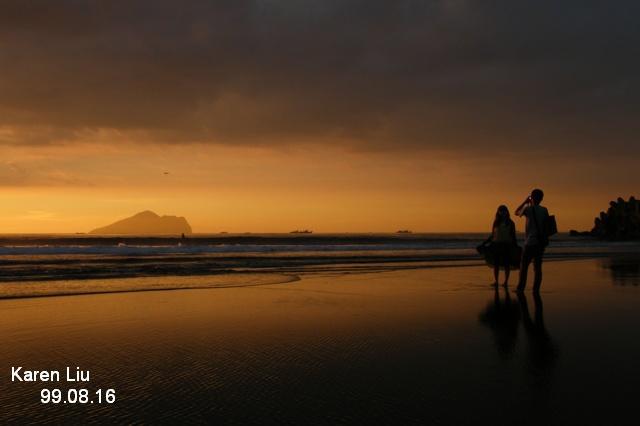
x=331, y=115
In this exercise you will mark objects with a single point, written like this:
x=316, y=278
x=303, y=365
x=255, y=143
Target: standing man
x=535, y=238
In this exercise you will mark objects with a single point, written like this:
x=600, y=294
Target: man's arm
x=520, y=210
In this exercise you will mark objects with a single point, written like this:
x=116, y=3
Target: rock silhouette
x=621, y=221
x=146, y=223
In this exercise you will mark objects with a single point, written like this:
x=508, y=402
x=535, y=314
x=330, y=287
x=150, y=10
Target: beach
x=428, y=345
x=302, y=212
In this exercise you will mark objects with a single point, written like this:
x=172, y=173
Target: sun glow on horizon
x=244, y=189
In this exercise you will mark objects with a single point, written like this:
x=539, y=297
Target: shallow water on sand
x=50, y=288
x=409, y=346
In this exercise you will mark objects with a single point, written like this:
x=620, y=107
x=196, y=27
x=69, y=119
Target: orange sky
x=82, y=186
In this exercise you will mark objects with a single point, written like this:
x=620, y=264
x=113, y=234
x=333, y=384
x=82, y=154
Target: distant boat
x=303, y=231
x=404, y=231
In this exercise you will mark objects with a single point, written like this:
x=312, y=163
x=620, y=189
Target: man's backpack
x=551, y=226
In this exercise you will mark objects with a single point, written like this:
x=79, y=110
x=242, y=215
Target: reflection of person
x=535, y=238
x=503, y=239
x=502, y=317
x=542, y=352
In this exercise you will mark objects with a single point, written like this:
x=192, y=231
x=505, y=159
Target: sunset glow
x=79, y=187
x=242, y=119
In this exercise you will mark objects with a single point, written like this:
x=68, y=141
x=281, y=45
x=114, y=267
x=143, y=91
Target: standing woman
x=502, y=243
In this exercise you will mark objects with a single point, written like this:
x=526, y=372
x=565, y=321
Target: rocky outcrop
x=621, y=221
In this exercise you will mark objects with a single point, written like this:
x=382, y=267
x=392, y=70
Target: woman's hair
x=499, y=218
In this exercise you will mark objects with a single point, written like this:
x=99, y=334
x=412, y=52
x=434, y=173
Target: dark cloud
x=401, y=74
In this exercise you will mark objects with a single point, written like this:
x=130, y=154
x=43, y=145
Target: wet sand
x=424, y=346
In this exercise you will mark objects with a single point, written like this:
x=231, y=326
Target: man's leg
x=524, y=266
x=507, y=272
x=537, y=270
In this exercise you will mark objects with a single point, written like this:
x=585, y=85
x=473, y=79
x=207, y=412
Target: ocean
x=71, y=258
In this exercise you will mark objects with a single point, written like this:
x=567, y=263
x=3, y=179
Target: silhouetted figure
x=503, y=318
x=536, y=239
x=503, y=241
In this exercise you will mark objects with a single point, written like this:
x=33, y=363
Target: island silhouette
x=147, y=223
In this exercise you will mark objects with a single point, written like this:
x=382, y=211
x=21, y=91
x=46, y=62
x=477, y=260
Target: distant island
x=147, y=223
x=621, y=221
x=303, y=231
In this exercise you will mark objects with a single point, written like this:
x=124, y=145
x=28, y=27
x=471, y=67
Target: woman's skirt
x=501, y=254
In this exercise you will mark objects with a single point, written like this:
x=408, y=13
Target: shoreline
x=60, y=287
